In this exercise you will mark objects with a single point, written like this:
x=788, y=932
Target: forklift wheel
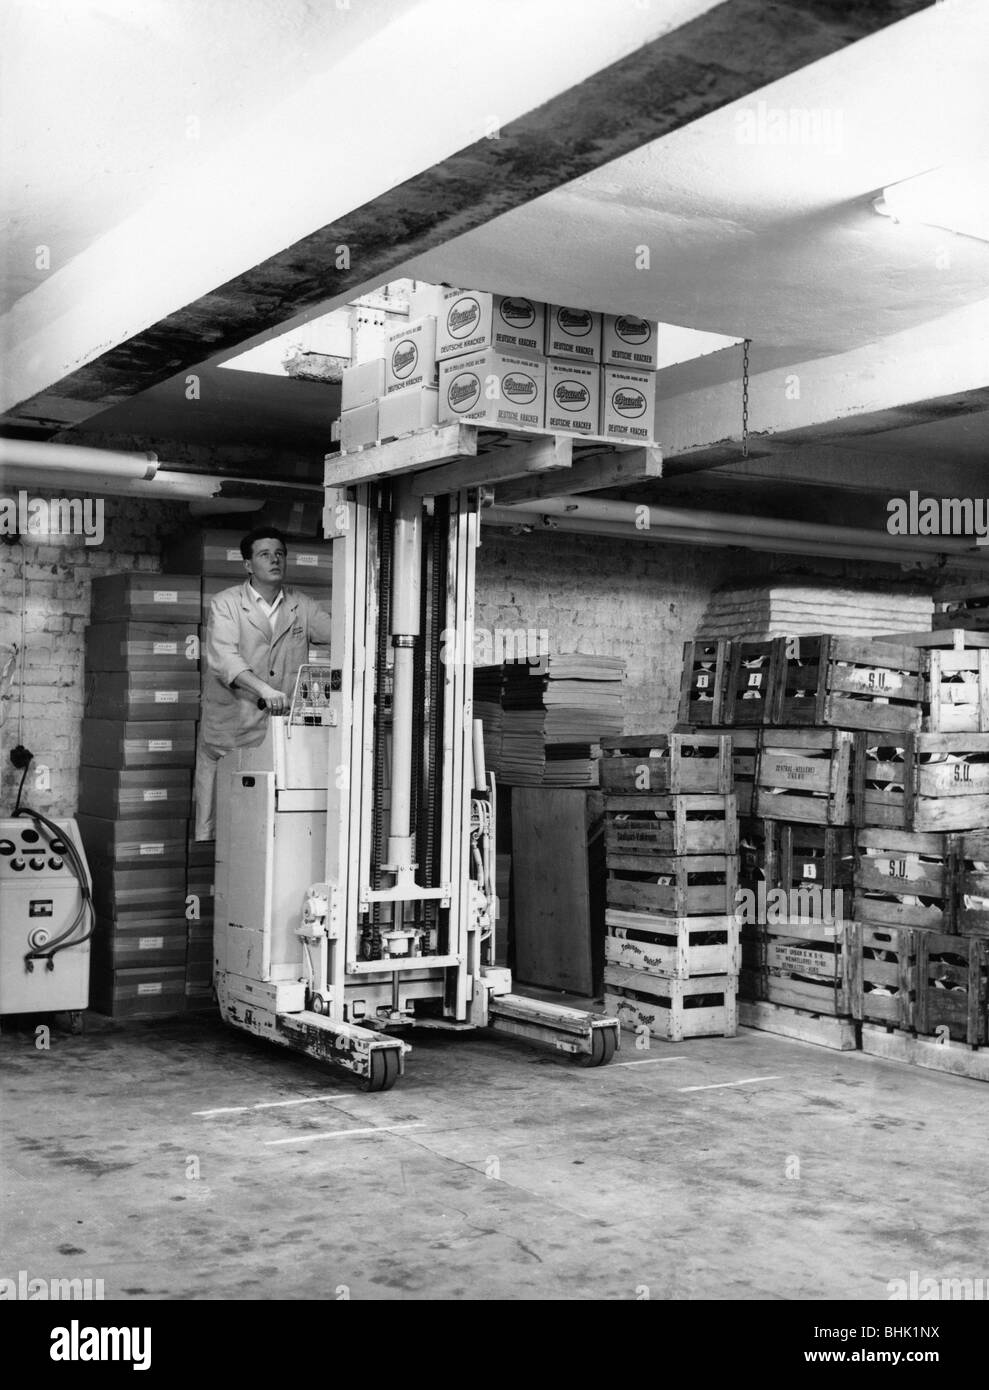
x=603, y=1044
x=384, y=1070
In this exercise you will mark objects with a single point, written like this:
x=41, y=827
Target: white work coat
x=239, y=637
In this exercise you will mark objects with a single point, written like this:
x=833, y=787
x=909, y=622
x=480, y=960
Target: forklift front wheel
x=603, y=1044
x=384, y=1070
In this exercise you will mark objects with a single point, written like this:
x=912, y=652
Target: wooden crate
x=752, y=687
x=895, y=870
x=806, y=966
x=972, y=884
x=693, y=823
x=680, y=885
x=805, y=775
x=849, y=683
x=964, y=605
x=957, y=678
x=795, y=853
x=883, y=974
x=923, y=782
x=674, y=763
x=680, y=947
x=952, y=986
x=702, y=685
x=672, y=1009
x=744, y=755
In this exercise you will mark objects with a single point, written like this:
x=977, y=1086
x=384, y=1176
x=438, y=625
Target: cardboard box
x=148, y=598
x=132, y=844
x=405, y=411
x=147, y=992
x=426, y=299
x=167, y=695
x=143, y=743
x=135, y=794
x=470, y=321
x=410, y=356
x=157, y=892
x=628, y=405
x=573, y=333
x=122, y=946
x=493, y=388
x=142, y=646
x=573, y=397
x=630, y=341
x=362, y=384
x=359, y=427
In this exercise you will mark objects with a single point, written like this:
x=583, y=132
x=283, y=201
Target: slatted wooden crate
x=952, y=986
x=692, y=823
x=905, y=878
x=805, y=775
x=680, y=885
x=806, y=966
x=972, y=884
x=752, y=687
x=672, y=1009
x=744, y=756
x=964, y=605
x=883, y=974
x=702, y=686
x=849, y=683
x=923, y=782
x=679, y=947
x=818, y=855
x=957, y=678
x=674, y=763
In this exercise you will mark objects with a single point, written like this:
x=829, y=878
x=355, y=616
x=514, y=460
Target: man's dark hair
x=261, y=533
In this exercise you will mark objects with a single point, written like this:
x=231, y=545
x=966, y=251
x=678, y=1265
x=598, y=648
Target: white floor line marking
x=645, y=1061
x=343, y=1133
x=719, y=1085
x=268, y=1105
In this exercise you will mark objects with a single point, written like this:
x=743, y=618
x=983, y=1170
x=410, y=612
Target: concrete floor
x=501, y=1170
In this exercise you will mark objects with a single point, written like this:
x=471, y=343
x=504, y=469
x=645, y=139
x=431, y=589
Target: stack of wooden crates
x=671, y=841
x=862, y=774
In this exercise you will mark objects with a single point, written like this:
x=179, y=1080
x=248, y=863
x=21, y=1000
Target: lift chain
x=745, y=397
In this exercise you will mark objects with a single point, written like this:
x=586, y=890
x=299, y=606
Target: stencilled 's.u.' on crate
x=678, y=947
x=672, y=1009
x=905, y=878
x=922, y=782
x=805, y=775
x=693, y=823
x=675, y=763
x=849, y=683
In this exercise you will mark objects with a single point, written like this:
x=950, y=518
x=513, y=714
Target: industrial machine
x=355, y=845
x=46, y=917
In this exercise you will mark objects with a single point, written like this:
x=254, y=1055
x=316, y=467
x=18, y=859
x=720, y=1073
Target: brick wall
x=54, y=573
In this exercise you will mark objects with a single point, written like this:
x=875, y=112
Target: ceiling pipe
x=45, y=457
x=747, y=540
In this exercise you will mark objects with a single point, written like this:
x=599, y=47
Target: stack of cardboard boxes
x=505, y=362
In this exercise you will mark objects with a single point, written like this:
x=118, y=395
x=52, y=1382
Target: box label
x=165, y=648
x=156, y=794
x=233, y=556
x=159, y=745
x=166, y=697
x=166, y=596
x=150, y=987
x=151, y=943
x=152, y=848
x=307, y=559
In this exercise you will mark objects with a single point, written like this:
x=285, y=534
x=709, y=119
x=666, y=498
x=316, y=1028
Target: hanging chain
x=745, y=397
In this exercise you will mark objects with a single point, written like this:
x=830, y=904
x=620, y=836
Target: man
x=257, y=638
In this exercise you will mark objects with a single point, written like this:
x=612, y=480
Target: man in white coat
x=257, y=638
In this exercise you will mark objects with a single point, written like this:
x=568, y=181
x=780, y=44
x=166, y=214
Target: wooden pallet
x=702, y=685
x=799, y=1024
x=922, y=782
x=805, y=775
x=672, y=1009
x=675, y=763
x=894, y=866
x=883, y=974
x=952, y=986
x=690, y=824
x=953, y=1058
x=679, y=947
x=694, y=883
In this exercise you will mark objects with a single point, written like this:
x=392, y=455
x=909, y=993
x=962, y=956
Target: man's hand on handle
x=274, y=701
